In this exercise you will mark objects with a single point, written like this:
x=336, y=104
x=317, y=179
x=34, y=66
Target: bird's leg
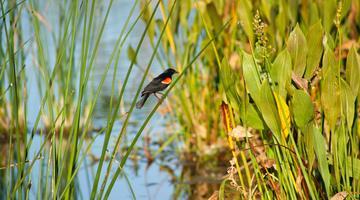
x=157, y=96
x=160, y=94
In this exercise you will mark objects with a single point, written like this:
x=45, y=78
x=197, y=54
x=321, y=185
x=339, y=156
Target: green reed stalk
x=73, y=17
x=14, y=94
x=138, y=134
x=107, y=135
x=125, y=124
x=84, y=76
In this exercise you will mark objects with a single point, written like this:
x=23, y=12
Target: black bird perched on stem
x=158, y=84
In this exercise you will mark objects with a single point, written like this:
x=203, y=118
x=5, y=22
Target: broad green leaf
x=251, y=76
x=298, y=49
x=330, y=93
x=252, y=80
x=353, y=70
x=267, y=107
x=320, y=151
x=348, y=103
x=251, y=117
x=284, y=114
x=329, y=63
x=302, y=108
x=280, y=72
x=314, y=40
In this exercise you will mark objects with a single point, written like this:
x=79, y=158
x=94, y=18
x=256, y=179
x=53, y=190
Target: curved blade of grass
x=222, y=189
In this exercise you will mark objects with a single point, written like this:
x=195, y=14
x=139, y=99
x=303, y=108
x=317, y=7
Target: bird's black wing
x=153, y=86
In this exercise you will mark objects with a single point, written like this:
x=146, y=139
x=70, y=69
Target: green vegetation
x=268, y=95
x=284, y=73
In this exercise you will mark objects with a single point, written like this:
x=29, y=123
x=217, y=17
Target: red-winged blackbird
x=158, y=84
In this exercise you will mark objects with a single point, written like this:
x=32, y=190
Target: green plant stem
x=124, y=159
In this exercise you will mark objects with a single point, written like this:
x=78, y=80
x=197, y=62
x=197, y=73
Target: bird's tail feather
x=141, y=102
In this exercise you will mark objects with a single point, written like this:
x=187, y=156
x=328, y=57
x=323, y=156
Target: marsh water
x=149, y=182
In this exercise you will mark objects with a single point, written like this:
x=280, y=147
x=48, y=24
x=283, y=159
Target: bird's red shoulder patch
x=166, y=80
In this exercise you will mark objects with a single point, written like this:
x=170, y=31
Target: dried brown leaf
x=340, y=196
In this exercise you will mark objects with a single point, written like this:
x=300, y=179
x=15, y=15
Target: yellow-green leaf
x=348, y=103
x=251, y=76
x=267, y=107
x=302, y=108
x=280, y=72
x=353, y=70
x=284, y=114
x=314, y=40
x=251, y=117
x=298, y=49
x=330, y=93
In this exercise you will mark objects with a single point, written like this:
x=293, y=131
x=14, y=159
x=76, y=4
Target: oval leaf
x=353, y=70
x=330, y=93
x=302, y=108
x=298, y=49
x=267, y=107
x=251, y=76
x=314, y=39
x=280, y=72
